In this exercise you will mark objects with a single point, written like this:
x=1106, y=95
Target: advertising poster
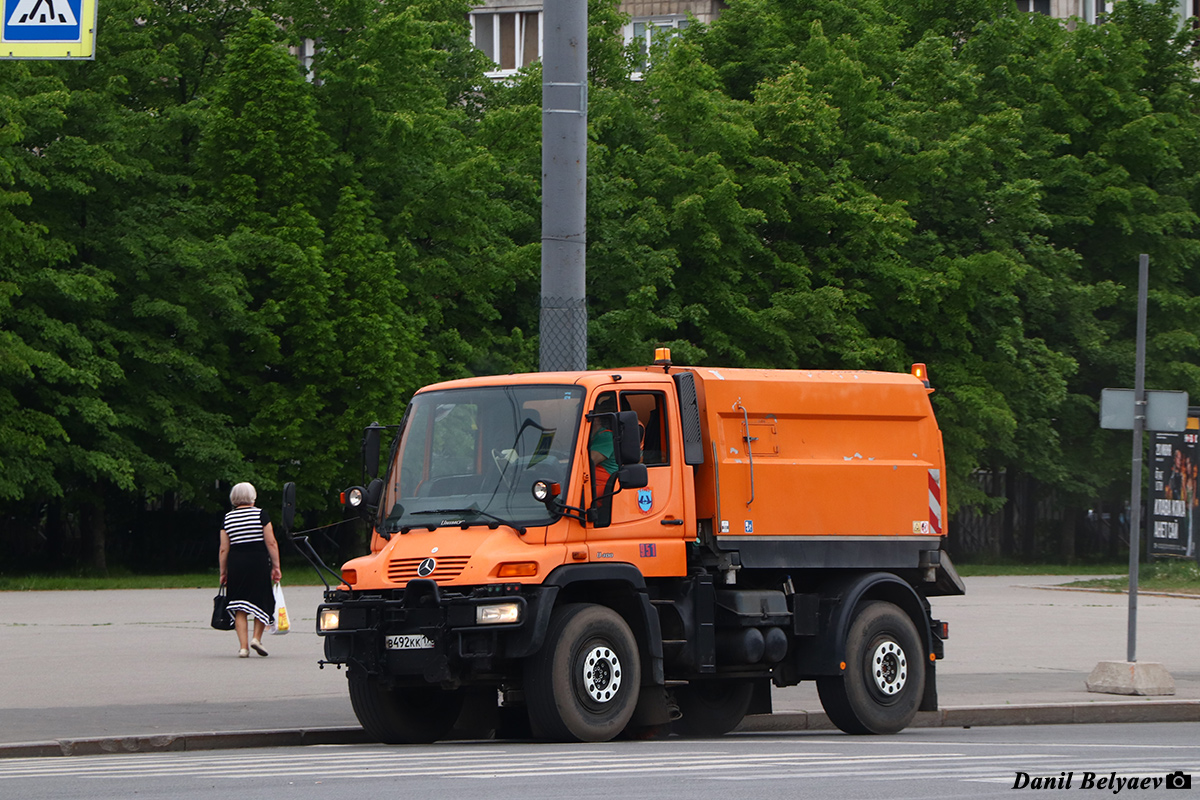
x=1173, y=526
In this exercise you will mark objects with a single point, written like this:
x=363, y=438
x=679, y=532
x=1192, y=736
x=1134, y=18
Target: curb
x=787, y=721
x=181, y=742
x=1066, y=587
x=989, y=716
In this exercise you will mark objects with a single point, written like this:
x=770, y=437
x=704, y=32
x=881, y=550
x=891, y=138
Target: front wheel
x=403, y=715
x=584, y=684
x=884, y=680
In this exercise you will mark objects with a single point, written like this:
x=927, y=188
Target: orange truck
x=591, y=554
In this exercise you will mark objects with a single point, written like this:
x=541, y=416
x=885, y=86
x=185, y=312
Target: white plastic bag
x=281, y=625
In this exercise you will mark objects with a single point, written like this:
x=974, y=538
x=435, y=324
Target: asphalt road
x=138, y=667
x=921, y=764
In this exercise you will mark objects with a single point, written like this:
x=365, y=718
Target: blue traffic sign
x=47, y=29
x=42, y=20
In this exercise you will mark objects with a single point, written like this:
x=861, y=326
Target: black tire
x=712, y=708
x=884, y=680
x=404, y=715
x=583, y=685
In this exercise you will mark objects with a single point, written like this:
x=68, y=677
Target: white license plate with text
x=408, y=642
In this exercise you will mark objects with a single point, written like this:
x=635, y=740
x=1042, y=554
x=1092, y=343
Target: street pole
x=1139, y=426
x=563, y=317
x=1128, y=676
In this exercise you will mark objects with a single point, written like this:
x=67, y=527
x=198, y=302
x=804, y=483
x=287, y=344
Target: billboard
x=1175, y=515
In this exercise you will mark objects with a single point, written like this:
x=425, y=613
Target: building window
x=305, y=53
x=642, y=31
x=1034, y=6
x=511, y=39
x=1189, y=9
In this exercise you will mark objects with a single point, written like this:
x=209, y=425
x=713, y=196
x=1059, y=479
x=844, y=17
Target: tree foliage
x=220, y=261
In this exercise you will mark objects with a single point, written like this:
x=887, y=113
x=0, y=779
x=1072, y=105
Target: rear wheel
x=403, y=715
x=881, y=688
x=584, y=684
x=712, y=708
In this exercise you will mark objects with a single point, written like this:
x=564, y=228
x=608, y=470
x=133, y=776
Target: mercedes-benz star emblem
x=426, y=567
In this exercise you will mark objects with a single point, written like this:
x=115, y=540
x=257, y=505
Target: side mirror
x=633, y=476
x=630, y=438
x=374, y=492
x=370, y=447
x=288, y=518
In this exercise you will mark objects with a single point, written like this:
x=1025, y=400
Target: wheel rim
x=601, y=672
x=889, y=668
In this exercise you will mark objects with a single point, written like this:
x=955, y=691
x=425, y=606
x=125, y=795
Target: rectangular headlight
x=328, y=619
x=497, y=613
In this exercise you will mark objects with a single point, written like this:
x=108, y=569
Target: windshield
x=471, y=456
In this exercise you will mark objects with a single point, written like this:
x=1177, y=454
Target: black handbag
x=221, y=620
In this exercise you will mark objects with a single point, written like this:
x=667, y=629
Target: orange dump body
x=818, y=454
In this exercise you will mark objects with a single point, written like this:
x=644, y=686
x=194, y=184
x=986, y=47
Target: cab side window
x=652, y=417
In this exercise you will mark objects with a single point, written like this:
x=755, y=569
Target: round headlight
x=541, y=491
x=354, y=497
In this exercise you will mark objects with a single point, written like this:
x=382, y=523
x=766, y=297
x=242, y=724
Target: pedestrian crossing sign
x=63, y=29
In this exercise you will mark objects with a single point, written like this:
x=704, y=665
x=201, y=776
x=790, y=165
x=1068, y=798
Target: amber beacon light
x=920, y=373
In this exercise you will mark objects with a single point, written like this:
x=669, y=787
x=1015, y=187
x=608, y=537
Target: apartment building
x=510, y=31
x=1089, y=10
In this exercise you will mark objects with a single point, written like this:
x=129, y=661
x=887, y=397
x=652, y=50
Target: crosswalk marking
x=507, y=763
x=739, y=760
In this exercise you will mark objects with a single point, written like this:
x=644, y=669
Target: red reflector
x=944, y=633
x=350, y=576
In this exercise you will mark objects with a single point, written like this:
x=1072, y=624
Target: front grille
x=403, y=570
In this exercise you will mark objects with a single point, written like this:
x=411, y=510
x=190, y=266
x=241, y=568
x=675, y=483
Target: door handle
x=670, y=522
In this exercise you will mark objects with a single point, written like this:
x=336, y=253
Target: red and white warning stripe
x=935, y=501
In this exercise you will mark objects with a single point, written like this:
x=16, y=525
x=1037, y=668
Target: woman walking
x=249, y=559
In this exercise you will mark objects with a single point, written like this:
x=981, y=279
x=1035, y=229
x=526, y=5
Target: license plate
x=408, y=642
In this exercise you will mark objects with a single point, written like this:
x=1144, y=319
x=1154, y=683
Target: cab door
x=646, y=526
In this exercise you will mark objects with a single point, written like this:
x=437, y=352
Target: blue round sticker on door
x=645, y=500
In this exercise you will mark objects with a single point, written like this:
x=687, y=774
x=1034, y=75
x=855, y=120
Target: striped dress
x=248, y=566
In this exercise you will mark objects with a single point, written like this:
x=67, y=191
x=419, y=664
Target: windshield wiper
x=520, y=529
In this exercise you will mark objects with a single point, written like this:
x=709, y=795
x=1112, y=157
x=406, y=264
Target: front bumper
x=463, y=651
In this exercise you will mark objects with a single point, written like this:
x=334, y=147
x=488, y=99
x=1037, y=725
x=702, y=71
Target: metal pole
x=1139, y=425
x=563, y=319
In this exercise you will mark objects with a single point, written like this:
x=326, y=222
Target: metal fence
x=1036, y=523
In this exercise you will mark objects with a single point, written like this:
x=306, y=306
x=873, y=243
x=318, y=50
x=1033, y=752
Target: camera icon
x=1179, y=780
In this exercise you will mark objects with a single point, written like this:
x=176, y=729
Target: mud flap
x=653, y=708
x=929, y=699
x=760, y=701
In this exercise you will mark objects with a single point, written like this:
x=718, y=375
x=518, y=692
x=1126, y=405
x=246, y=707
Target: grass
x=1174, y=575
x=61, y=582
x=120, y=579
x=1013, y=568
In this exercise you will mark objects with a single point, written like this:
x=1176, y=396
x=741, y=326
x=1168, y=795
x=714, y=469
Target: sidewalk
x=138, y=670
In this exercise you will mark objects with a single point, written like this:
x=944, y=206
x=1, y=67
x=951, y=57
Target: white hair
x=243, y=494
